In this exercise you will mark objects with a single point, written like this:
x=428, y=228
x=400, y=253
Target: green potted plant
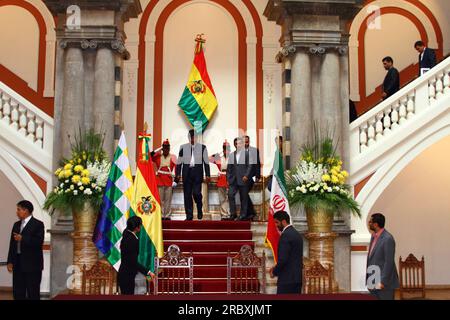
x=318, y=184
x=81, y=183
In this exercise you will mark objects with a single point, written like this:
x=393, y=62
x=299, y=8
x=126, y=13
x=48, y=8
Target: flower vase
x=84, y=250
x=321, y=239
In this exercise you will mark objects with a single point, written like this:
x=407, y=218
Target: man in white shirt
x=192, y=160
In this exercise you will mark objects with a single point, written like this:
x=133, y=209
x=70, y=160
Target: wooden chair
x=101, y=279
x=412, y=276
x=317, y=279
x=175, y=273
x=246, y=272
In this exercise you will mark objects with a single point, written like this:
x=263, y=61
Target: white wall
x=9, y=196
x=20, y=43
x=221, y=54
x=383, y=42
x=417, y=210
x=441, y=11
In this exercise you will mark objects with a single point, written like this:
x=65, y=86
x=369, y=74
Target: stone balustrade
x=25, y=119
x=389, y=123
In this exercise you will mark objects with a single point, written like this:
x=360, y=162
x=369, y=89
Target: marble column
x=329, y=117
x=84, y=87
x=301, y=115
x=72, y=116
x=318, y=32
x=104, y=97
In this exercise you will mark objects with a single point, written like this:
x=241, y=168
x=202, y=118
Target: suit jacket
x=201, y=161
x=428, y=60
x=31, y=258
x=290, y=257
x=129, y=250
x=383, y=256
x=248, y=165
x=391, y=83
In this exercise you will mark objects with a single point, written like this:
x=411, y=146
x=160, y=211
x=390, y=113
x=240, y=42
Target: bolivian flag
x=146, y=204
x=198, y=101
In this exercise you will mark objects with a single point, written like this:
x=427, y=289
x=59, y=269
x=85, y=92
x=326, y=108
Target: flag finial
x=200, y=41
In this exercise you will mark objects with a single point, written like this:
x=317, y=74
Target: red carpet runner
x=209, y=241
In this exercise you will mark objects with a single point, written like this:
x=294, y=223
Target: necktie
x=192, y=164
x=22, y=225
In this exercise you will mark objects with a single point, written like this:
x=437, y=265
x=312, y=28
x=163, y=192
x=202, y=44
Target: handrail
x=424, y=79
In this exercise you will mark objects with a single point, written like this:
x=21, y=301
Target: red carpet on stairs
x=210, y=242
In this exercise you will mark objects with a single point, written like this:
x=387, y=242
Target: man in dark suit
x=129, y=253
x=427, y=56
x=252, y=154
x=240, y=173
x=290, y=256
x=381, y=275
x=391, y=83
x=192, y=159
x=25, y=256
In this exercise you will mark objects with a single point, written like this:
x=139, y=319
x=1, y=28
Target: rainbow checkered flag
x=112, y=220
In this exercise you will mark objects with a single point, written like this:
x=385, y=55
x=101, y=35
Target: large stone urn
x=84, y=250
x=321, y=239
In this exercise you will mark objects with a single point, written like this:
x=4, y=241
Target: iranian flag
x=278, y=202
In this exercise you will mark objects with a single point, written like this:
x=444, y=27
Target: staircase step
x=190, y=225
x=208, y=258
x=209, y=246
x=208, y=271
x=208, y=285
x=180, y=234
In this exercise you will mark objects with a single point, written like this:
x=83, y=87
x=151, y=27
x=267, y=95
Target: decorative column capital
x=115, y=45
x=315, y=50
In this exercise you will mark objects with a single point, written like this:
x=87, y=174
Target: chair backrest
x=317, y=279
x=246, y=272
x=174, y=273
x=101, y=279
x=412, y=275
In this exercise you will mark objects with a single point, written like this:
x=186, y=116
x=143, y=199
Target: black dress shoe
x=200, y=216
x=188, y=219
x=232, y=217
x=243, y=218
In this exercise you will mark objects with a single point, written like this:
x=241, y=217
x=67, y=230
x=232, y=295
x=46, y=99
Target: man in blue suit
x=427, y=56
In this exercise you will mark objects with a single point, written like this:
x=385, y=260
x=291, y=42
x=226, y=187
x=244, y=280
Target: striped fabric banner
x=146, y=204
x=112, y=220
x=198, y=100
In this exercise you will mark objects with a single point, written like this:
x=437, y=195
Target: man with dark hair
x=391, y=83
x=427, y=56
x=289, y=266
x=25, y=256
x=192, y=158
x=254, y=175
x=381, y=275
x=129, y=252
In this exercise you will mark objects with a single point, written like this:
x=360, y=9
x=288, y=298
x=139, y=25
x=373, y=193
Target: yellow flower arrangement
x=68, y=166
x=68, y=173
x=85, y=173
x=78, y=168
x=76, y=178
x=85, y=180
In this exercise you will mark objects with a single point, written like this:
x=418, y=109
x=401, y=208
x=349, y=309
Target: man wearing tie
x=192, y=159
x=427, y=56
x=240, y=173
x=25, y=256
x=252, y=154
